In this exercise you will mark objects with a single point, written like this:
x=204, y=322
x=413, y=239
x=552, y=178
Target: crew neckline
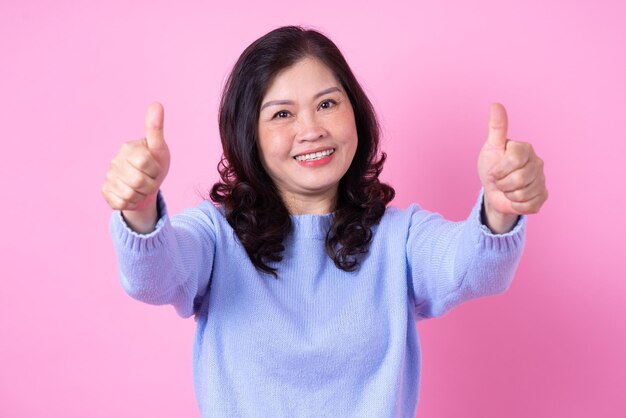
x=311, y=225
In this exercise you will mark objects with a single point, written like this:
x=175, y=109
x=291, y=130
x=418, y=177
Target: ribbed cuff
x=130, y=240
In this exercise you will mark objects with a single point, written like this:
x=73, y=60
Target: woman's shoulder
x=205, y=215
x=409, y=220
x=406, y=214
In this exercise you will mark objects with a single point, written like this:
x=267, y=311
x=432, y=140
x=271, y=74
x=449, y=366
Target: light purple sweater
x=317, y=341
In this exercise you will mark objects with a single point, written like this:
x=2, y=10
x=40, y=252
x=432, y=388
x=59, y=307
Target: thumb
x=154, y=127
x=498, y=124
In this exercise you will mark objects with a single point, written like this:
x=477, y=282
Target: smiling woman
x=292, y=94
x=305, y=286
x=307, y=143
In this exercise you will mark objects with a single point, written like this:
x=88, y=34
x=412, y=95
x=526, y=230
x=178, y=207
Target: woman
x=305, y=287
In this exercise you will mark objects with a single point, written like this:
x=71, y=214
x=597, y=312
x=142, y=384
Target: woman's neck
x=310, y=204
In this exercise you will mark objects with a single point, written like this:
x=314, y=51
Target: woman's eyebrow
x=328, y=90
x=290, y=102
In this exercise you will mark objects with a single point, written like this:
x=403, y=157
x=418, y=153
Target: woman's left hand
x=511, y=174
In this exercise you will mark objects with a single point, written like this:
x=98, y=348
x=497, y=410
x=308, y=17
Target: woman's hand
x=511, y=174
x=137, y=172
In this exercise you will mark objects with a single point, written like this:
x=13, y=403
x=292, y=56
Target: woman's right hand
x=137, y=172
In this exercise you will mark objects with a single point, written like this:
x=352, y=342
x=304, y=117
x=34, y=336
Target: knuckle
x=540, y=163
x=512, y=160
x=525, y=151
x=149, y=185
x=113, y=202
x=504, y=184
x=516, y=180
x=109, y=176
x=126, y=146
x=128, y=194
x=140, y=160
x=517, y=159
x=515, y=196
x=130, y=146
x=530, y=208
x=136, y=180
x=520, y=207
x=115, y=161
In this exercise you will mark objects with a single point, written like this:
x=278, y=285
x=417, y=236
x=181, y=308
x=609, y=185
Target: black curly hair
x=252, y=204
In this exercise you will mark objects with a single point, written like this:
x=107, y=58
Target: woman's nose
x=310, y=129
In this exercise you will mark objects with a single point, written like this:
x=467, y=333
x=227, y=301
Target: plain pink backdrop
x=76, y=78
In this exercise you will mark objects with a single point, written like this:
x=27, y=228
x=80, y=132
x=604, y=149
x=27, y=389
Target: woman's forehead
x=302, y=80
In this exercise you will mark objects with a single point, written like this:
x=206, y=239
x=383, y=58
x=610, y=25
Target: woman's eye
x=281, y=115
x=327, y=104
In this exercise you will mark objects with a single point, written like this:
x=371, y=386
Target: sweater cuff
x=487, y=239
x=130, y=240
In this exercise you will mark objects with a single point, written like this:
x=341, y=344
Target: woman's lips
x=315, y=159
x=314, y=154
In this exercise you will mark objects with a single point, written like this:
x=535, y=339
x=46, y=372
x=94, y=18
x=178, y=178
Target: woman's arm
x=452, y=262
x=170, y=265
x=161, y=261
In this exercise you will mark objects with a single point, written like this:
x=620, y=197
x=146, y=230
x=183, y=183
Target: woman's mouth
x=314, y=155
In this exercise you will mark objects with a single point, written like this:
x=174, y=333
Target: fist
x=139, y=167
x=510, y=171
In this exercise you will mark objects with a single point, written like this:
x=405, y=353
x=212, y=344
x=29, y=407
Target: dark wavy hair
x=252, y=204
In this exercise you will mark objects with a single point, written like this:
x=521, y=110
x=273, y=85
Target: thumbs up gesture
x=511, y=174
x=137, y=172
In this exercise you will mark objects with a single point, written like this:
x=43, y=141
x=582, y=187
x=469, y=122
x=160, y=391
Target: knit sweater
x=317, y=341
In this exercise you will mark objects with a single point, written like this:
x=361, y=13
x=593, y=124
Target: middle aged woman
x=305, y=286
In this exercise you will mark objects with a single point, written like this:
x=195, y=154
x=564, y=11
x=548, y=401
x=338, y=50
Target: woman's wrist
x=497, y=222
x=142, y=221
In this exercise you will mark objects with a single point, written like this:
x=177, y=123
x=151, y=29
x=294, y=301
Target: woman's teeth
x=314, y=156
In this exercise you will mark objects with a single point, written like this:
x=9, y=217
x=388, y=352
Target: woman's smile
x=315, y=158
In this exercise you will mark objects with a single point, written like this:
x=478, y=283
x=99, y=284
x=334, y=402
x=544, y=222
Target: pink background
x=76, y=78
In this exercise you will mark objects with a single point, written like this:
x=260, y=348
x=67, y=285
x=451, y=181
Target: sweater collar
x=311, y=226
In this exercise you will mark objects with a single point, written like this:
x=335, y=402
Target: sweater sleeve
x=170, y=265
x=452, y=262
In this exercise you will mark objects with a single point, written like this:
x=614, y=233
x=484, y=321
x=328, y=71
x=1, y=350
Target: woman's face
x=307, y=134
